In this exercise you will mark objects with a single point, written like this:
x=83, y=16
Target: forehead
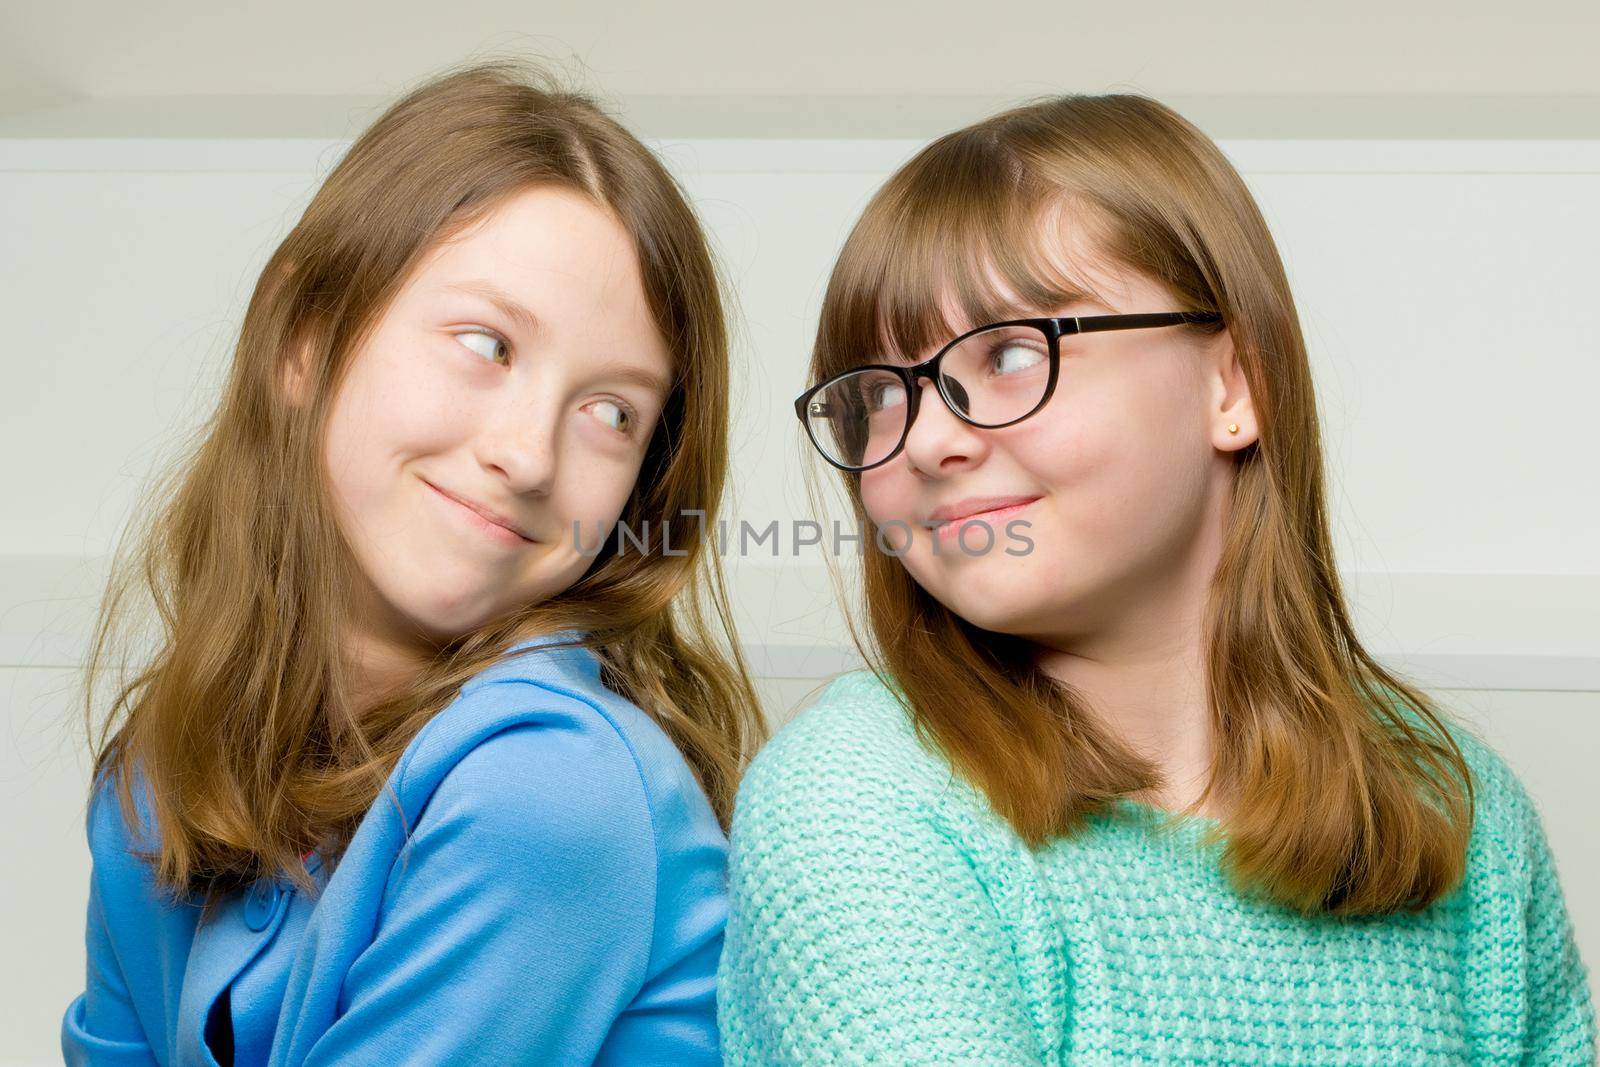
x=556, y=253
x=1076, y=280
x=951, y=272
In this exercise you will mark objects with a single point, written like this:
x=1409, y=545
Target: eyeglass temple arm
x=803, y=406
x=1096, y=323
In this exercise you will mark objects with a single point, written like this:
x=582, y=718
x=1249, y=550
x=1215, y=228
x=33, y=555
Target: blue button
x=260, y=905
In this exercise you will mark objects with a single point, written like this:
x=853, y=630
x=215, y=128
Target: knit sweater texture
x=881, y=912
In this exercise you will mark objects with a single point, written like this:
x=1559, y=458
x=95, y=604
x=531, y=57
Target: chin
x=997, y=619
x=988, y=612
x=444, y=628
x=996, y=595
x=443, y=614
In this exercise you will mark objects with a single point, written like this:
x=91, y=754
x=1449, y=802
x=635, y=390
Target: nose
x=521, y=445
x=938, y=440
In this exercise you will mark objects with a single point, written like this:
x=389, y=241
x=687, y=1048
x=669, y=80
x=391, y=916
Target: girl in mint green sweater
x=1122, y=784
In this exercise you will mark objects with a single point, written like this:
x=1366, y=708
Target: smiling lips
x=951, y=518
x=977, y=506
x=489, y=519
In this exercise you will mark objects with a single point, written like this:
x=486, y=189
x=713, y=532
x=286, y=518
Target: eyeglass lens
x=991, y=378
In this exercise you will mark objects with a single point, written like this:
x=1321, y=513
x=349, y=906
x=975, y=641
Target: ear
x=1231, y=397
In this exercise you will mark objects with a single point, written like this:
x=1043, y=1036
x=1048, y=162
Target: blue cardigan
x=560, y=899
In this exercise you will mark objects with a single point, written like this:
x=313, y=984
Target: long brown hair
x=238, y=722
x=1345, y=792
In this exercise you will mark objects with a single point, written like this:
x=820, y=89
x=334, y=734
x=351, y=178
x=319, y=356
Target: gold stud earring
x=1233, y=427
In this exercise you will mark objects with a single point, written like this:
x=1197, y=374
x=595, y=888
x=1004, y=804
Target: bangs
x=959, y=238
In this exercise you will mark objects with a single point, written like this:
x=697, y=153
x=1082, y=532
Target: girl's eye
x=885, y=394
x=615, y=415
x=888, y=395
x=1014, y=358
x=487, y=351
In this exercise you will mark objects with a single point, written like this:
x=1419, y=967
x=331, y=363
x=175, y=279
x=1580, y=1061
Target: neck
x=1150, y=692
x=381, y=652
x=1144, y=672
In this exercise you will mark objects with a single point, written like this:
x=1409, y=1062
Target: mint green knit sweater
x=881, y=913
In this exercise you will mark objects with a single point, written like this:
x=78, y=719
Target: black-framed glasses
x=992, y=376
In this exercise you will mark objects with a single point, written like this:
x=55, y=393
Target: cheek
x=594, y=489
x=392, y=407
x=1130, y=427
x=599, y=491
x=1060, y=448
x=1126, y=460
x=888, y=492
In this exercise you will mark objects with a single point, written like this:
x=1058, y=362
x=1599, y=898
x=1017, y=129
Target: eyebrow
x=501, y=299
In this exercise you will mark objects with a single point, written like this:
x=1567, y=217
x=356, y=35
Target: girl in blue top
x=428, y=767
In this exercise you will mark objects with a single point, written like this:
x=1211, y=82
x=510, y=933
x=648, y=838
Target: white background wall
x=1432, y=176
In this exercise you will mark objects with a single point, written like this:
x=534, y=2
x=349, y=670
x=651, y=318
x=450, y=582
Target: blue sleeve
x=100, y=1025
x=517, y=923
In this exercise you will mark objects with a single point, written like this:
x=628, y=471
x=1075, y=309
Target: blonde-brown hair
x=238, y=722
x=1344, y=792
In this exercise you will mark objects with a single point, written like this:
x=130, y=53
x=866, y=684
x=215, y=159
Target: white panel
x=43, y=897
